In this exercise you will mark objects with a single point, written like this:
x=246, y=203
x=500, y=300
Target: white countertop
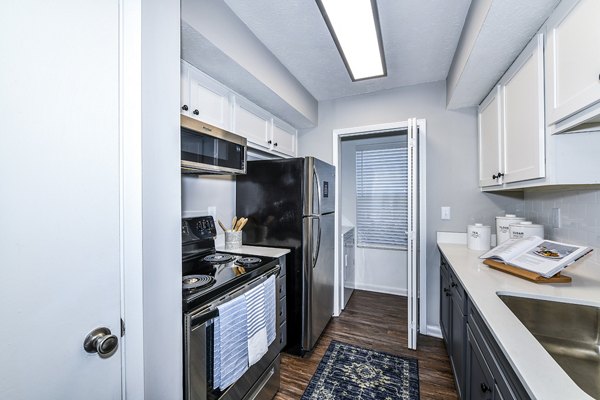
x=540, y=374
x=256, y=251
x=346, y=228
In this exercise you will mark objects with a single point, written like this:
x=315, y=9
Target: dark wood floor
x=375, y=321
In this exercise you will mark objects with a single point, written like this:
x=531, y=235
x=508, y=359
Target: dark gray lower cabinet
x=480, y=385
x=453, y=319
x=481, y=370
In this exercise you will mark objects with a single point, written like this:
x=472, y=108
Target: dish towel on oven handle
x=257, y=331
x=216, y=353
x=233, y=338
x=270, y=308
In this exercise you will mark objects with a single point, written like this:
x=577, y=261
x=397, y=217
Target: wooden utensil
x=237, y=226
x=244, y=221
x=233, y=222
x=222, y=226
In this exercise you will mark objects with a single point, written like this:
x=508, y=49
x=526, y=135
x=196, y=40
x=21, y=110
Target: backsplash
x=580, y=215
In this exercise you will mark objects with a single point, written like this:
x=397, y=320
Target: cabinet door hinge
x=122, y=327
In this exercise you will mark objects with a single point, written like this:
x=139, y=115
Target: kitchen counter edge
x=274, y=252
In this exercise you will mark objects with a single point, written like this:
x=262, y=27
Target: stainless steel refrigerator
x=290, y=203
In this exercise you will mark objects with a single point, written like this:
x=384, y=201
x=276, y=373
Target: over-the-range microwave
x=206, y=149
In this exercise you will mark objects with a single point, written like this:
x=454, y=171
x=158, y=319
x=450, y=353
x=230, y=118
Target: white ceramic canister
x=503, y=226
x=525, y=229
x=479, y=237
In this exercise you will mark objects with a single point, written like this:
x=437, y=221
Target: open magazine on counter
x=544, y=257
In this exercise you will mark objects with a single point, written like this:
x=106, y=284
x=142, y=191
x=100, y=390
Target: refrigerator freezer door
x=317, y=277
x=319, y=189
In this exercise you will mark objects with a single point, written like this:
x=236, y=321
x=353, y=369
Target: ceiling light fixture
x=354, y=26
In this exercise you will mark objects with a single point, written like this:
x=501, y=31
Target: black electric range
x=206, y=273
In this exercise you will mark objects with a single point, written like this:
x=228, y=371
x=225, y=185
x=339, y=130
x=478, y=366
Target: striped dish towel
x=270, y=294
x=257, y=331
x=216, y=352
x=233, y=340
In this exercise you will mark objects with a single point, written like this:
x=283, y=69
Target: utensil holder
x=233, y=240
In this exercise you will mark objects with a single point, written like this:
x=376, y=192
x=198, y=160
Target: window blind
x=382, y=195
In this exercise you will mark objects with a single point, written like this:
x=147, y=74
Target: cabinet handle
x=196, y=112
x=185, y=107
x=453, y=284
x=448, y=294
x=275, y=144
x=485, y=388
x=270, y=141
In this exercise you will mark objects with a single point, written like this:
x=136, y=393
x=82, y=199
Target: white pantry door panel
x=413, y=232
x=573, y=58
x=59, y=208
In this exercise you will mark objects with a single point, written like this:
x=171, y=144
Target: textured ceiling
x=419, y=39
x=508, y=27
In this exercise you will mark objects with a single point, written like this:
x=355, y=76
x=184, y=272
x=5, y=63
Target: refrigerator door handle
x=318, y=180
x=315, y=255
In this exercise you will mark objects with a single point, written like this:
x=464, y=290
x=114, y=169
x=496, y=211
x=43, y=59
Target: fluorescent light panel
x=354, y=25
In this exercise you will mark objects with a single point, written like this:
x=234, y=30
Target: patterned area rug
x=352, y=372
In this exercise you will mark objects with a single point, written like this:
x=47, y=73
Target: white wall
x=161, y=199
x=200, y=192
x=579, y=211
x=451, y=160
x=379, y=270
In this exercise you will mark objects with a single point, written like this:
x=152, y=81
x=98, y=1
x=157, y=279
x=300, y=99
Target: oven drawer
x=268, y=384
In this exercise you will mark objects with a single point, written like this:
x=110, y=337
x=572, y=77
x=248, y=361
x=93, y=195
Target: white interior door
x=413, y=223
x=60, y=204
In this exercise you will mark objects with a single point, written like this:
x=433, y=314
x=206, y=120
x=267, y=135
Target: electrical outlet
x=556, y=217
x=446, y=213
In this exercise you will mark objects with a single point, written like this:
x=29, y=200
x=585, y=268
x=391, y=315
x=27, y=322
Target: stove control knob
x=101, y=341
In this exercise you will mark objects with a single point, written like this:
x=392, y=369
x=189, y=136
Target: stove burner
x=218, y=258
x=248, y=261
x=197, y=281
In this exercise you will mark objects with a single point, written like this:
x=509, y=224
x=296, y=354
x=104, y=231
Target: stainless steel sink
x=569, y=332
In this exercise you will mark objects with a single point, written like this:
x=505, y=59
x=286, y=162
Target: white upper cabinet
x=572, y=58
x=511, y=122
x=252, y=122
x=283, y=138
x=523, y=115
x=490, y=139
x=209, y=101
x=185, y=90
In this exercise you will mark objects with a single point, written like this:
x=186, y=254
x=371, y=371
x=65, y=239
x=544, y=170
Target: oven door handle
x=212, y=310
x=201, y=318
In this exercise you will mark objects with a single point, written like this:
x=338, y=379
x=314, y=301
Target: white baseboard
x=433, y=330
x=381, y=289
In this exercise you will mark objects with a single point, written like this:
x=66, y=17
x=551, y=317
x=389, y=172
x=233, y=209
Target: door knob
x=101, y=341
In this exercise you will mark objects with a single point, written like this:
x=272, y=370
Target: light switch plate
x=446, y=213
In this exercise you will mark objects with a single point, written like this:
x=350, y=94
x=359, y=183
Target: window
x=382, y=195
